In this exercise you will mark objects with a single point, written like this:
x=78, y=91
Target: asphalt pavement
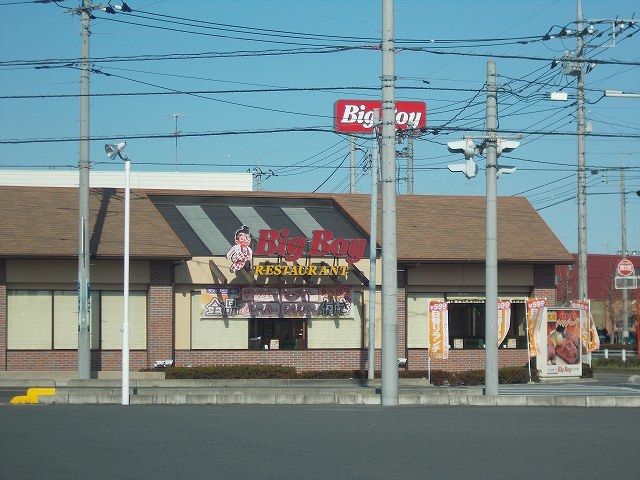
x=106, y=442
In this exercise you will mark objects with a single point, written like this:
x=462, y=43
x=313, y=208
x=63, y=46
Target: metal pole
x=623, y=246
x=491, y=269
x=175, y=116
x=372, y=249
x=125, y=300
x=352, y=164
x=389, y=248
x=582, y=189
x=410, y=163
x=526, y=331
x=84, y=314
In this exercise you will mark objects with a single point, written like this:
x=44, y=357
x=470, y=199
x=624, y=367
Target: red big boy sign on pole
x=356, y=116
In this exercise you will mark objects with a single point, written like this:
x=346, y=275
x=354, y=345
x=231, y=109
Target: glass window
x=29, y=325
x=283, y=334
x=466, y=321
x=111, y=307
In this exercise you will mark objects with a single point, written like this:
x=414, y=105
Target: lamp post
x=114, y=151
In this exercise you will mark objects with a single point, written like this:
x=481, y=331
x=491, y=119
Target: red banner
x=356, y=116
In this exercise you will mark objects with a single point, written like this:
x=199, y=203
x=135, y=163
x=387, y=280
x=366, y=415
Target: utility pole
x=373, y=233
x=623, y=247
x=582, y=188
x=257, y=174
x=389, y=247
x=176, y=133
x=574, y=65
x=84, y=312
x=491, y=267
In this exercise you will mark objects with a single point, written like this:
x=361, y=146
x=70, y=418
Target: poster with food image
x=563, y=353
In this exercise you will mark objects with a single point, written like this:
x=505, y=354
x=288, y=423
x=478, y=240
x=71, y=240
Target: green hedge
x=616, y=362
x=231, y=372
x=438, y=377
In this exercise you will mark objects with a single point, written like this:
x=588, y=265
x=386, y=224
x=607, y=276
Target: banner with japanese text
x=584, y=306
x=504, y=319
x=438, y=329
x=588, y=330
x=272, y=302
x=535, y=311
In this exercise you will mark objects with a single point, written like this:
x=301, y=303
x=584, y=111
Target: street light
x=114, y=151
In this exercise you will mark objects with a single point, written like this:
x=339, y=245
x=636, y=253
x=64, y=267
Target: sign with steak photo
x=563, y=355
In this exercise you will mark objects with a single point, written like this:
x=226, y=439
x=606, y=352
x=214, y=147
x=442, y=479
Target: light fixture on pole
x=114, y=151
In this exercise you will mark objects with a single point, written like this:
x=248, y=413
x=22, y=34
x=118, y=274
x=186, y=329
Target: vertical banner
x=594, y=339
x=504, y=319
x=588, y=330
x=585, y=308
x=438, y=329
x=535, y=310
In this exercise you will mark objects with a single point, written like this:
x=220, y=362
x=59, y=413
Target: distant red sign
x=625, y=268
x=356, y=116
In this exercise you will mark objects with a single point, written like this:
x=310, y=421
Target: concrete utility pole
x=84, y=254
x=491, y=268
x=389, y=247
x=372, y=249
x=582, y=188
x=623, y=248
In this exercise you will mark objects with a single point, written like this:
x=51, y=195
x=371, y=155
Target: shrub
x=616, y=362
x=438, y=377
x=587, y=371
x=231, y=372
x=514, y=375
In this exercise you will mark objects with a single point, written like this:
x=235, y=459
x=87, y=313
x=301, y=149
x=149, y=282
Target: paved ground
x=316, y=442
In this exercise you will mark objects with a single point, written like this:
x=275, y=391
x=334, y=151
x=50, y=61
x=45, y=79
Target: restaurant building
x=222, y=278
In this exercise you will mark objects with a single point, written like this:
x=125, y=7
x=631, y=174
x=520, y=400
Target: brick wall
x=466, y=359
x=3, y=315
x=352, y=359
x=544, y=283
x=160, y=313
x=66, y=360
x=343, y=359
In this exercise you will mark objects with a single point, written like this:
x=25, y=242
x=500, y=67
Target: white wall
x=150, y=180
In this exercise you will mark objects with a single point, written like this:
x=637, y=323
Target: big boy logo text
x=322, y=243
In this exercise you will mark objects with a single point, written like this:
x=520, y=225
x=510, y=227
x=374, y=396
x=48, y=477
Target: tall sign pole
x=352, y=164
x=372, y=249
x=389, y=247
x=84, y=347
x=623, y=248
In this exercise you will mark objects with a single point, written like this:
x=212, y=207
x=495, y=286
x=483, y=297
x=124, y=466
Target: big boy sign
x=322, y=243
x=356, y=116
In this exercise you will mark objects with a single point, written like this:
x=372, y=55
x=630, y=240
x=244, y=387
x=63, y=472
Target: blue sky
x=451, y=85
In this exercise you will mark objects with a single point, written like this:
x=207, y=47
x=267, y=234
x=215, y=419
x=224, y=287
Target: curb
x=345, y=399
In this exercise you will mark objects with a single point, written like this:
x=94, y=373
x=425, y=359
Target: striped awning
x=206, y=225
